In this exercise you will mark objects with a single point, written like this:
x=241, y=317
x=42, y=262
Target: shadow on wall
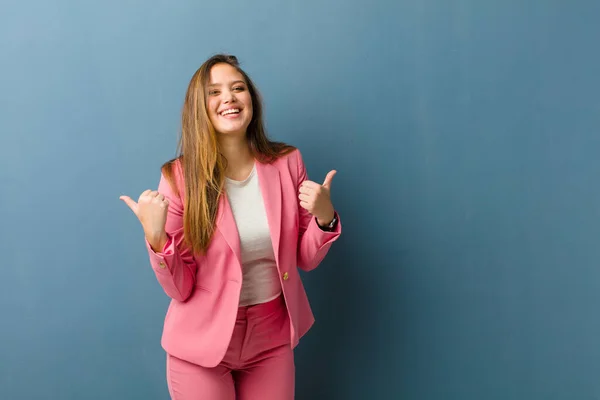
x=343, y=343
x=354, y=292
x=355, y=313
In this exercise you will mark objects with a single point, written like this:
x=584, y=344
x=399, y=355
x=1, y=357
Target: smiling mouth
x=230, y=111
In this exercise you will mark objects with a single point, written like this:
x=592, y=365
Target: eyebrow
x=232, y=83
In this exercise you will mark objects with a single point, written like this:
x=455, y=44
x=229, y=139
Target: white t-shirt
x=260, y=276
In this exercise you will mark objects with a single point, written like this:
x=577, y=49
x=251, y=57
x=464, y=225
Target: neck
x=237, y=153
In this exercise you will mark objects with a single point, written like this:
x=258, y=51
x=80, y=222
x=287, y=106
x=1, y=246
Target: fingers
x=326, y=183
x=306, y=190
x=147, y=197
x=158, y=198
x=130, y=203
x=329, y=178
x=144, y=194
x=314, y=197
x=151, y=195
x=304, y=197
x=309, y=185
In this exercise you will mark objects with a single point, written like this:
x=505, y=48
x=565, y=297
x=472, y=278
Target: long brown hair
x=201, y=164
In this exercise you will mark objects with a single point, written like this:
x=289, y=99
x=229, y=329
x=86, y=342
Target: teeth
x=230, y=111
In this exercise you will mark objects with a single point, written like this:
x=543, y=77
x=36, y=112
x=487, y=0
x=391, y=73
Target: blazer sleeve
x=313, y=242
x=174, y=266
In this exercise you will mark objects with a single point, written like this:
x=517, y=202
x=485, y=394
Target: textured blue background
x=466, y=136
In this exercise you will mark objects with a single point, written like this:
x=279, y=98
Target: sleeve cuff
x=336, y=218
x=167, y=249
x=329, y=234
x=160, y=260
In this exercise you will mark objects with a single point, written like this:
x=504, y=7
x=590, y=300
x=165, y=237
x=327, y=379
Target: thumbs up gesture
x=316, y=199
x=151, y=209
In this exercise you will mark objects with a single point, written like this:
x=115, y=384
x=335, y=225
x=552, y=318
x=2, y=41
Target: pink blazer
x=205, y=289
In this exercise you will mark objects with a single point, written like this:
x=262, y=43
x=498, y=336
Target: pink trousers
x=258, y=365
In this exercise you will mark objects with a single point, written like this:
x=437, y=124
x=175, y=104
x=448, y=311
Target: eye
x=239, y=88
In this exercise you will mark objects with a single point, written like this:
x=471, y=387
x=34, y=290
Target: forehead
x=223, y=74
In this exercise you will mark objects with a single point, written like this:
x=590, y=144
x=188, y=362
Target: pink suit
x=205, y=289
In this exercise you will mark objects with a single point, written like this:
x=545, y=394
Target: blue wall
x=466, y=136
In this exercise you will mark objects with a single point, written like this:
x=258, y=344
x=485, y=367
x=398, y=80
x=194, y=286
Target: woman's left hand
x=316, y=199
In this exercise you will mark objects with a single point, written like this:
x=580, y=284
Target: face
x=228, y=100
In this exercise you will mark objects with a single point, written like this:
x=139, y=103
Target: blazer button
x=285, y=276
x=162, y=265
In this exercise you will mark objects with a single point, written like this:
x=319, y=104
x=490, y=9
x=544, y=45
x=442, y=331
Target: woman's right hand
x=151, y=209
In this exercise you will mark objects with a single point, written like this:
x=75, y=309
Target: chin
x=232, y=132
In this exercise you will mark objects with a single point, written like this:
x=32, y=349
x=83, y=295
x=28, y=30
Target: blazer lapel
x=227, y=226
x=270, y=187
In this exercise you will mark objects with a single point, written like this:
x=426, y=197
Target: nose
x=228, y=97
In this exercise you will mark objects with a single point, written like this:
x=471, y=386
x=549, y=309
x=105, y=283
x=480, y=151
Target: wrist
x=325, y=221
x=157, y=241
x=327, y=224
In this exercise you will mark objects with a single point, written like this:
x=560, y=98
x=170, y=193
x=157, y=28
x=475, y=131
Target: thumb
x=328, y=179
x=132, y=204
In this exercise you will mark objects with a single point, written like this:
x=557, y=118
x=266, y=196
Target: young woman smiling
x=232, y=220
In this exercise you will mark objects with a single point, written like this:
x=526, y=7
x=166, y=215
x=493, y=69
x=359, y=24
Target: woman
x=232, y=219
